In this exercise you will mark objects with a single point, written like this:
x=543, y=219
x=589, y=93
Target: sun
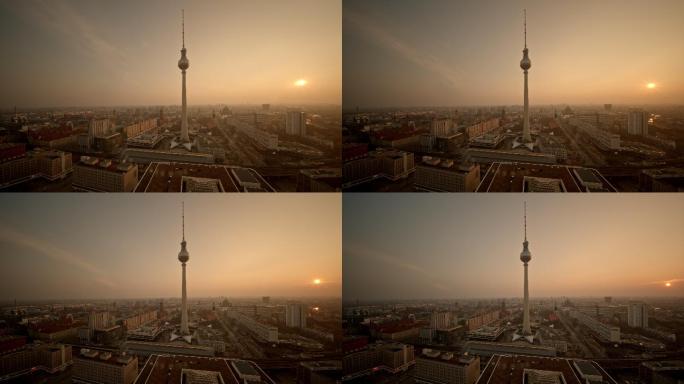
x=668, y=284
x=300, y=83
x=317, y=281
x=651, y=85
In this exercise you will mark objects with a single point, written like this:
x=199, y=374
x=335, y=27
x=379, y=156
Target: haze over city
x=104, y=247
x=76, y=53
x=443, y=53
x=441, y=246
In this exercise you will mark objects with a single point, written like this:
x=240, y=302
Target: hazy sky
x=124, y=246
x=413, y=246
x=65, y=53
x=441, y=53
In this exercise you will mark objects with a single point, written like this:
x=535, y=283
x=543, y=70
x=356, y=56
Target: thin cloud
x=45, y=248
x=63, y=19
x=371, y=31
x=661, y=282
x=398, y=263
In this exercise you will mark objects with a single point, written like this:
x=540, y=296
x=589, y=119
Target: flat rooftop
x=104, y=164
x=102, y=356
x=446, y=357
x=510, y=369
x=170, y=177
x=510, y=177
x=169, y=369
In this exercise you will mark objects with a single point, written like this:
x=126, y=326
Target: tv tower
x=525, y=257
x=184, y=64
x=526, y=64
x=183, y=257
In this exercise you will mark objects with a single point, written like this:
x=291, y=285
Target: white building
x=637, y=315
x=295, y=315
x=295, y=123
x=637, y=122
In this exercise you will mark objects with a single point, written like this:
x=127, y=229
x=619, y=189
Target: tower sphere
x=525, y=63
x=183, y=255
x=183, y=63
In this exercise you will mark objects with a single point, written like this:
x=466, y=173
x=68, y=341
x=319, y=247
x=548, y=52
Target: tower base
x=518, y=142
x=532, y=338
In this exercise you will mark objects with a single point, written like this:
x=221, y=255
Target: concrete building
x=606, y=332
x=440, y=320
x=486, y=349
x=603, y=139
x=49, y=358
x=440, y=127
x=161, y=368
x=388, y=357
x=444, y=175
x=104, y=175
x=319, y=372
x=295, y=315
x=265, y=332
x=390, y=164
x=637, y=122
x=637, y=315
x=266, y=140
x=295, y=123
x=92, y=366
x=50, y=165
x=438, y=367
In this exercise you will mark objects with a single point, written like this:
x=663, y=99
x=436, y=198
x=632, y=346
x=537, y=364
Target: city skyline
x=446, y=247
x=80, y=54
x=133, y=252
x=466, y=53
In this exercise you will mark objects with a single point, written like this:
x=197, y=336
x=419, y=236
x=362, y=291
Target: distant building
x=104, y=175
x=92, y=366
x=49, y=358
x=637, y=122
x=438, y=367
x=319, y=372
x=606, y=332
x=389, y=164
x=388, y=357
x=50, y=165
x=443, y=175
x=662, y=180
x=295, y=123
x=295, y=315
x=440, y=127
x=319, y=180
x=637, y=315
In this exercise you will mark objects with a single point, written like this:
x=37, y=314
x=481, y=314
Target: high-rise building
x=184, y=64
x=440, y=127
x=183, y=257
x=637, y=315
x=440, y=320
x=295, y=315
x=295, y=123
x=637, y=122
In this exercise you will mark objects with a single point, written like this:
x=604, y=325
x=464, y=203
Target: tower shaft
x=527, y=330
x=184, y=113
x=184, y=308
x=526, y=114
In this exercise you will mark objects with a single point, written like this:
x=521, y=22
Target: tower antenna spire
x=525, y=216
x=525, y=25
x=183, y=25
x=183, y=218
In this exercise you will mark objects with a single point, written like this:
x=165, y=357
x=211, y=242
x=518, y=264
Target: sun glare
x=668, y=284
x=317, y=281
x=300, y=83
x=651, y=85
